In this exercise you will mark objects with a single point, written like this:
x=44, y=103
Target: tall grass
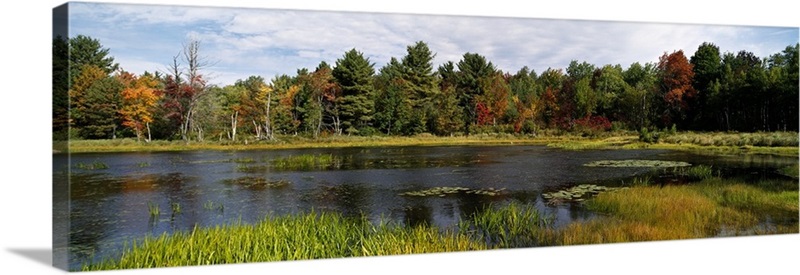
x=764, y=139
x=307, y=162
x=514, y=225
x=709, y=208
x=309, y=236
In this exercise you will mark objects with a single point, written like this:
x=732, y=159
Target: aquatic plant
x=154, y=209
x=94, y=165
x=243, y=160
x=698, y=172
x=176, y=208
x=307, y=162
x=257, y=182
x=512, y=225
x=576, y=193
x=790, y=171
x=444, y=191
x=636, y=163
x=143, y=164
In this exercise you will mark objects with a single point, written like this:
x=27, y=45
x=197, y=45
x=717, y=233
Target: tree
x=60, y=82
x=184, y=87
x=706, y=64
x=472, y=69
x=85, y=51
x=353, y=74
x=393, y=105
x=676, y=78
x=420, y=83
x=638, y=98
x=138, y=102
x=101, y=117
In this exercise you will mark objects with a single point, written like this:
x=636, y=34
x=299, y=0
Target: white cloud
x=260, y=41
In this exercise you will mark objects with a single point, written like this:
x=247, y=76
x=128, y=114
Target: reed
x=308, y=236
x=307, y=162
x=513, y=225
x=154, y=209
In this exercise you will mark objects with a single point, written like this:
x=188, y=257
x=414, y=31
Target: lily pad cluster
x=637, y=163
x=444, y=191
x=257, y=182
x=577, y=193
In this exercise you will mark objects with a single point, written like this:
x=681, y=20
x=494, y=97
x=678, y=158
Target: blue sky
x=242, y=42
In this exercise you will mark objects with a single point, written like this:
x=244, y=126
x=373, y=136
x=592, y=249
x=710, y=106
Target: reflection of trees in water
x=418, y=214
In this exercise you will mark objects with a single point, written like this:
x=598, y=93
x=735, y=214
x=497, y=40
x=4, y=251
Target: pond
x=119, y=197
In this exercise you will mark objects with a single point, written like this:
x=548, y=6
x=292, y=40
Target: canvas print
x=189, y=135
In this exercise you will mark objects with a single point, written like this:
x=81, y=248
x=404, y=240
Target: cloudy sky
x=267, y=42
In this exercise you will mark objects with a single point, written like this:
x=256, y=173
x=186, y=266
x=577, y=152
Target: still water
x=112, y=204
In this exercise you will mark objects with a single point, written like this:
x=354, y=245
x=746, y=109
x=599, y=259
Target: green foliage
x=353, y=73
x=84, y=51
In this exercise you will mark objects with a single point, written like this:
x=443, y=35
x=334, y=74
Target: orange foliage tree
x=139, y=100
x=676, y=82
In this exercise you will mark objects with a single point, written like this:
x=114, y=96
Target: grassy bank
x=773, y=143
x=709, y=208
x=293, y=142
x=712, y=207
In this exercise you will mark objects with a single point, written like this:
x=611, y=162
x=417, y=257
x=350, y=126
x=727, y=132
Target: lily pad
x=576, y=193
x=637, y=163
x=444, y=191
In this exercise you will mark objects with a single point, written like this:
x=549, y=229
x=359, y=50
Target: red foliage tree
x=676, y=74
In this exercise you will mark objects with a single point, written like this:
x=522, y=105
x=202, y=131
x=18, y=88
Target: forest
x=95, y=98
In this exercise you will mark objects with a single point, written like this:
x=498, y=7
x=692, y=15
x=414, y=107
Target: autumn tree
x=676, y=75
x=138, y=102
x=184, y=87
x=353, y=73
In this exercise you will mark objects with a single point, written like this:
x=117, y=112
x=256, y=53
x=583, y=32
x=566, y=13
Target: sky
x=240, y=42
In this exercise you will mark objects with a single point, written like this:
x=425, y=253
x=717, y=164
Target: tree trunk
x=234, y=121
x=149, y=138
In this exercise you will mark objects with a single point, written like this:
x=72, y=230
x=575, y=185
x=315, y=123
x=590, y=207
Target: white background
x=25, y=164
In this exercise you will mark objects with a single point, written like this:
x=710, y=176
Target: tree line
x=710, y=91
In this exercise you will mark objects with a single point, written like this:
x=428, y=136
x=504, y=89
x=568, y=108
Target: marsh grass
x=307, y=162
x=514, y=225
x=154, y=209
x=308, y=236
x=761, y=139
x=257, y=182
x=709, y=208
x=792, y=171
x=697, y=172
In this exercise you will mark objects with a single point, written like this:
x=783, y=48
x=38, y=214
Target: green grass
x=791, y=171
x=307, y=162
x=514, y=225
x=309, y=236
x=697, y=172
